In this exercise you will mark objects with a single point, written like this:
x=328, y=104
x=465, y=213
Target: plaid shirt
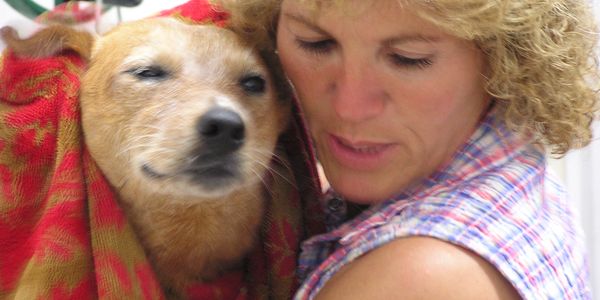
x=496, y=198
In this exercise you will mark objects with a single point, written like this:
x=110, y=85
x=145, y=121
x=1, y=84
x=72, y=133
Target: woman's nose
x=357, y=96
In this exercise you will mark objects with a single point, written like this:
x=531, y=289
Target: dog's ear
x=253, y=20
x=49, y=41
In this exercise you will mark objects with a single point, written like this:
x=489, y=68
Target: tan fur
x=190, y=231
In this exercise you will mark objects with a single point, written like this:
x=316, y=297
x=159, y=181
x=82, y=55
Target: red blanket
x=62, y=232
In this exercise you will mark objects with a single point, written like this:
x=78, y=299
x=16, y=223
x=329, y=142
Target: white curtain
x=581, y=172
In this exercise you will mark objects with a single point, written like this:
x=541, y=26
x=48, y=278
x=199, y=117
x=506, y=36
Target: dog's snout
x=221, y=129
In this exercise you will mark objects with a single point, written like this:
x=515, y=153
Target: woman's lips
x=359, y=155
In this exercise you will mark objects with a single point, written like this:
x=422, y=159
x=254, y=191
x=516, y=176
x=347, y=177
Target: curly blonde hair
x=541, y=56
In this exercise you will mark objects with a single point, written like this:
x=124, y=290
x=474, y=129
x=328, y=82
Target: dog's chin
x=197, y=182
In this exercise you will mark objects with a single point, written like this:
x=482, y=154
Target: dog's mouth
x=150, y=172
x=210, y=173
x=213, y=173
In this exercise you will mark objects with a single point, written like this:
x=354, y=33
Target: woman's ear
x=49, y=41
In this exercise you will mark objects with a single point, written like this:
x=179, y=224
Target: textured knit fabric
x=495, y=198
x=62, y=232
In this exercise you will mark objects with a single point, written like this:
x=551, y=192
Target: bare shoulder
x=418, y=268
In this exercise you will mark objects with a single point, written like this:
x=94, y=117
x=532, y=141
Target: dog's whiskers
x=263, y=182
x=144, y=126
x=128, y=148
x=283, y=162
x=191, y=160
x=267, y=166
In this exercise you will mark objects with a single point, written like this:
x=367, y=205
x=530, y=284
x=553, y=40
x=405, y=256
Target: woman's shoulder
x=419, y=268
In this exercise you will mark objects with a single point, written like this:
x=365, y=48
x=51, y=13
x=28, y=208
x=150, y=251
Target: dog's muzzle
x=215, y=162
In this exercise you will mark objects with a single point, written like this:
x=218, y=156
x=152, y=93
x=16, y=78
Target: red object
x=198, y=11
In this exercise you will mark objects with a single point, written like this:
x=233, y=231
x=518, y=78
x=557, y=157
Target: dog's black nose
x=221, y=130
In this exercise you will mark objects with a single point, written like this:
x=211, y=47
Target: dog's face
x=183, y=110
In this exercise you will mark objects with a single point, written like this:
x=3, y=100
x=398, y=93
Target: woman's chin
x=361, y=192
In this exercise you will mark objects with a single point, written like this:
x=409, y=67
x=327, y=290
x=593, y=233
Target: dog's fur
x=195, y=204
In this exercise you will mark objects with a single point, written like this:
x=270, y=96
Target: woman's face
x=388, y=97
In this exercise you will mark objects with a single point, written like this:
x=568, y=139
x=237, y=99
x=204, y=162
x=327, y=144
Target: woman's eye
x=403, y=61
x=316, y=47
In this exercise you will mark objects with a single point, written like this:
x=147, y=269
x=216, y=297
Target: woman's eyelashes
x=316, y=47
x=324, y=46
x=408, y=62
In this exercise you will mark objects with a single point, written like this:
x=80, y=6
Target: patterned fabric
x=62, y=232
x=496, y=198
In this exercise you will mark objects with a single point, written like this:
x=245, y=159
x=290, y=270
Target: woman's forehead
x=381, y=16
x=315, y=8
x=321, y=4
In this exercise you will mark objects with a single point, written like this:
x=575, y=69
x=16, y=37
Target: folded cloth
x=62, y=232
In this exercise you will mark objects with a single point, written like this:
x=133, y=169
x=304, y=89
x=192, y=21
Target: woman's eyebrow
x=399, y=39
x=412, y=38
x=306, y=22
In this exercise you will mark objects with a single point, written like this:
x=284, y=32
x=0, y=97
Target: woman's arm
x=418, y=268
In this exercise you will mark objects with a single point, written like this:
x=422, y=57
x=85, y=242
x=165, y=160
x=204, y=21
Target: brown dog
x=183, y=121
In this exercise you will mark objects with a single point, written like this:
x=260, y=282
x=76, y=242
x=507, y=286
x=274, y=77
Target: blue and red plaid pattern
x=496, y=198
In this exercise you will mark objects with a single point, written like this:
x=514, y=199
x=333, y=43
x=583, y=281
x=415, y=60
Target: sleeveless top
x=496, y=198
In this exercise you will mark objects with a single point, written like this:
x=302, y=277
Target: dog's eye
x=150, y=72
x=254, y=84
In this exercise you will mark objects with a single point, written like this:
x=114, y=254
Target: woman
x=436, y=116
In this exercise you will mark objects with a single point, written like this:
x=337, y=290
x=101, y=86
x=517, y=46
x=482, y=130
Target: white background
x=581, y=173
x=580, y=170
